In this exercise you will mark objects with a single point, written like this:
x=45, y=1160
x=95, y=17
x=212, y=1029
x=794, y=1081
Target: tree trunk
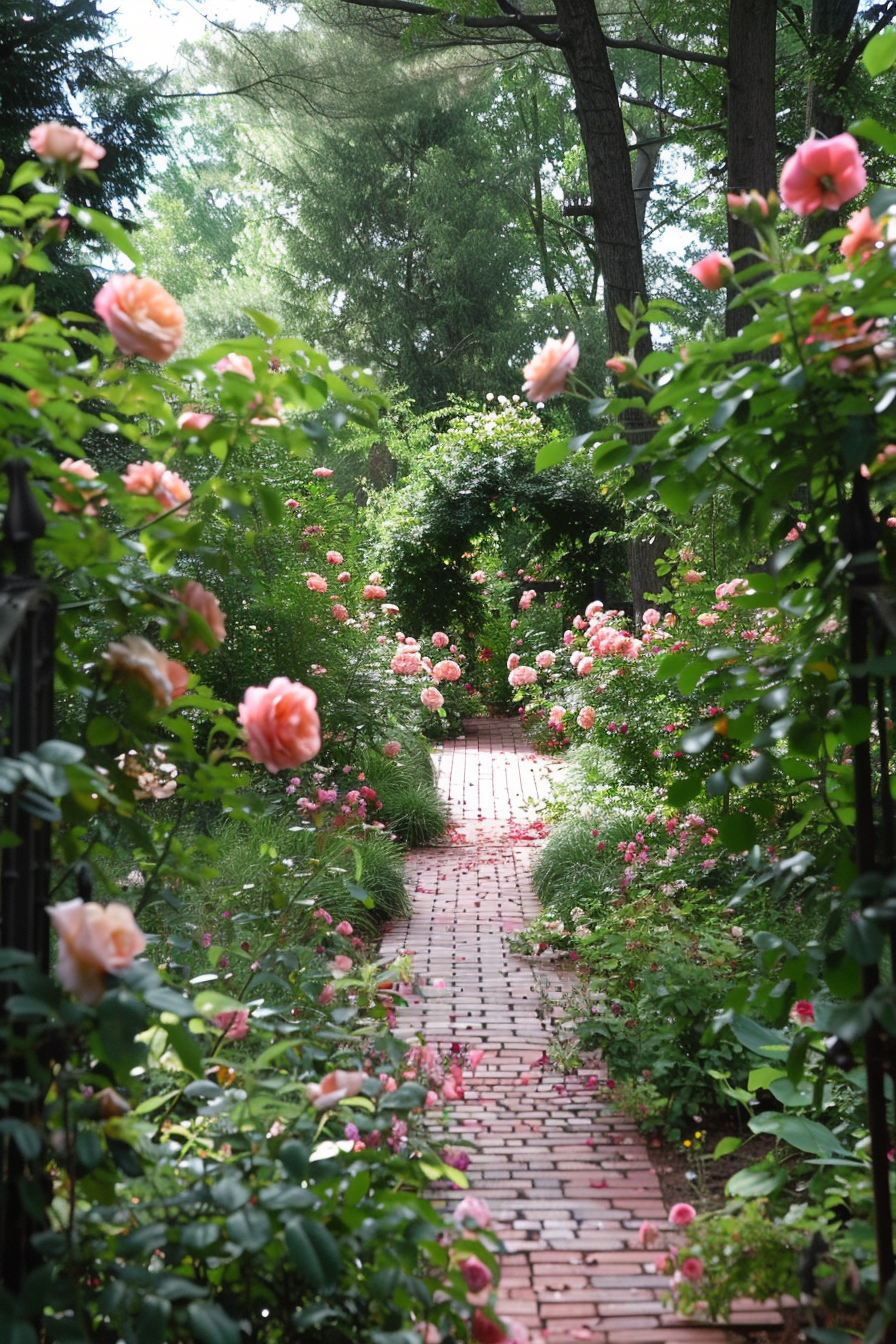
x=643, y=553
x=829, y=29
x=751, y=119
x=609, y=163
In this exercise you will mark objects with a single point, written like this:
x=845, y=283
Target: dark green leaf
x=212, y=1325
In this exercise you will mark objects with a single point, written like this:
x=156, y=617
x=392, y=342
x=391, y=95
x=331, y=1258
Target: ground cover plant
x=209, y=1129
x=750, y=887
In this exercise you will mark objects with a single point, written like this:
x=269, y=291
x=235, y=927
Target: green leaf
x=25, y=173
x=405, y=1098
x=880, y=53
x=737, y=831
x=557, y=450
x=864, y=941
x=108, y=229
x=271, y=501
x=303, y=1254
x=869, y=129
x=229, y=1193
x=152, y=1320
x=101, y=731
x=26, y=1138
x=761, y=1078
x=212, y=1325
x=807, y=1135
x=755, y=1182
x=268, y=325
x=185, y=1046
x=295, y=1157
x=856, y=724
x=326, y=1249
x=760, y=1040
x=730, y=1144
x=249, y=1228
x=358, y=1187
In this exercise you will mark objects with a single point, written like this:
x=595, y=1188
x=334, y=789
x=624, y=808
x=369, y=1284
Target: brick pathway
x=568, y=1180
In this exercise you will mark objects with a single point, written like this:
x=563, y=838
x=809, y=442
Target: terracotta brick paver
x=568, y=1180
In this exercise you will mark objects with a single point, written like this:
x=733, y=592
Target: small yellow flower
x=687, y=1143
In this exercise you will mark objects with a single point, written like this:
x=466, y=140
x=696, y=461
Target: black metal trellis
x=871, y=615
x=27, y=635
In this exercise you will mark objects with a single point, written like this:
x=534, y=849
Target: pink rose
x=547, y=371
x=391, y=750
x=206, y=605
x=344, y=577
x=691, y=576
x=344, y=928
x=713, y=270
x=335, y=1087
x=523, y=676
x=142, y=316
x=475, y=1058
x=555, y=717
x=647, y=1234
x=544, y=659
x=586, y=717
x=692, y=1269
x=513, y=660
x=373, y=592
x=584, y=666
x=235, y=1024
x=431, y=698
x=475, y=1274
x=479, y=576
x=316, y=583
x=680, y=1215
x=154, y=479
x=406, y=663
x=281, y=723
x=863, y=236
x=474, y=1208
x=195, y=420
x=94, y=940
x=234, y=363
x=322, y=471
x=334, y=558
x=651, y=618
x=446, y=670
x=341, y=965
x=54, y=143
x=802, y=1013
x=822, y=173
x=339, y=612
x=440, y=639
x=135, y=658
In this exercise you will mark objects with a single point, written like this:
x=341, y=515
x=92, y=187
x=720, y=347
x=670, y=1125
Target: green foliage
x=474, y=498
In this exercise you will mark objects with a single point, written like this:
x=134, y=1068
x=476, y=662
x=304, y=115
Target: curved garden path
x=568, y=1180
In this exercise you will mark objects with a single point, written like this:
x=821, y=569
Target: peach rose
x=440, y=639
x=54, y=143
x=713, y=270
x=281, y=723
x=335, y=1087
x=135, y=658
x=431, y=698
x=240, y=364
x=549, y=367
x=178, y=675
x=154, y=478
x=78, y=498
x=234, y=1024
x=194, y=420
x=205, y=604
x=340, y=613
x=373, y=592
x=863, y=236
x=586, y=717
x=323, y=472
x=94, y=941
x=446, y=670
x=142, y=316
x=406, y=663
x=822, y=173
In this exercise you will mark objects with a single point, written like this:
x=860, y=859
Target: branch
x=847, y=65
x=530, y=23
x=658, y=49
